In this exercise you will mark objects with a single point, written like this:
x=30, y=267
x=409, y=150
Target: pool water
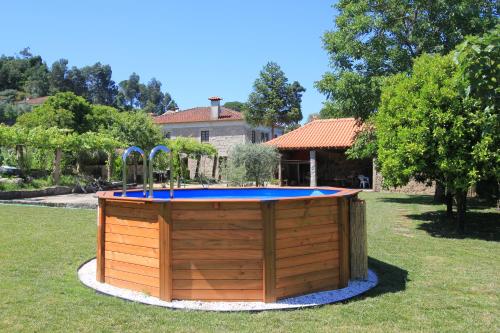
x=230, y=193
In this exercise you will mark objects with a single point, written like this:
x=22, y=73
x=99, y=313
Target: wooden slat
x=219, y=214
x=307, y=277
x=218, y=254
x=306, y=249
x=307, y=259
x=132, y=223
x=305, y=231
x=217, y=284
x=218, y=295
x=133, y=231
x=133, y=277
x=316, y=202
x=101, y=238
x=306, y=288
x=343, y=216
x=133, y=268
x=358, y=240
x=133, y=240
x=299, y=212
x=133, y=249
x=153, y=291
x=300, y=241
x=299, y=222
x=165, y=221
x=307, y=268
x=142, y=205
x=216, y=244
x=132, y=213
x=269, y=278
x=218, y=274
x=133, y=259
x=217, y=264
x=217, y=234
x=218, y=225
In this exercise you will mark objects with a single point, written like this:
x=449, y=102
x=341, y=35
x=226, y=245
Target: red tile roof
x=215, y=98
x=195, y=115
x=322, y=133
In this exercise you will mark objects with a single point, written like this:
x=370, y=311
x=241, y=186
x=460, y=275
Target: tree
x=258, y=160
x=235, y=105
x=129, y=92
x=169, y=103
x=431, y=124
x=274, y=102
x=374, y=39
x=58, y=77
x=100, y=88
x=64, y=110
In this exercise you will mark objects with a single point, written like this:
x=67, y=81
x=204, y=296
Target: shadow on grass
x=472, y=203
x=478, y=225
x=391, y=279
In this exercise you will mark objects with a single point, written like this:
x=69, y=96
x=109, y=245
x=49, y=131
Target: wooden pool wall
x=238, y=250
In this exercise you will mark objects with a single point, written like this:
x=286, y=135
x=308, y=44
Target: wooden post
x=280, y=176
x=165, y=221
x=359, y=249
x=344, y=264
x=101, y=233
x=269, y=236
x=312, y=167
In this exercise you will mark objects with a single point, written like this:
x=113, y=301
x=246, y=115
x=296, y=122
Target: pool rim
x=342, y=192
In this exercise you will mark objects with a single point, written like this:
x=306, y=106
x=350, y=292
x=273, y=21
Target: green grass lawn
x=430, y=278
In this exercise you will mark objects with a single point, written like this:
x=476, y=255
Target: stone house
x=222, y=127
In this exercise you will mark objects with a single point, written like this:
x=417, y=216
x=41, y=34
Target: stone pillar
x=312, y=166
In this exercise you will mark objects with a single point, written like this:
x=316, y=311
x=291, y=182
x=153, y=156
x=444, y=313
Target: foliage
x=365, y=143
x=29, y=75
x=431, y=127
x=64, y=110
x=235, y=105
x=259, y=161
x=274, y=102
x=184, y=146
x=374, y=39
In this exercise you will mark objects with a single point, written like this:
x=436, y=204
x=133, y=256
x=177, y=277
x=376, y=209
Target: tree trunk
x=197, y=170
x=214, y=165
x=135, y=171
x=56, y=173
x=449, y=204
x=272, y=132
x=439, y=194
x=21, y=159
x=461, y=198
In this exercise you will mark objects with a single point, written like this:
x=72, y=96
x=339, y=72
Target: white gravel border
x=87, y=274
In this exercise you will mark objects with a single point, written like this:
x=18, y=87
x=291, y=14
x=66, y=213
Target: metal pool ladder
x=127, y=152
x=152, y=154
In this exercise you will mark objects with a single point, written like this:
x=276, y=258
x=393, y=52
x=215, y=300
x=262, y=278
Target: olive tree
x=259, y=161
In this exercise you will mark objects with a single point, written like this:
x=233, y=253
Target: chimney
x=214, y=107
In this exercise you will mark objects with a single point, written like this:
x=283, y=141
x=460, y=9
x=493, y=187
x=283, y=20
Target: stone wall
x=413, y=187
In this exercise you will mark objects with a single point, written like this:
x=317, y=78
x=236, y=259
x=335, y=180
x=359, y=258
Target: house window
x=205, y=136
x=267, y=137
x=253, y=136
x=168, y=135
x=262, y=137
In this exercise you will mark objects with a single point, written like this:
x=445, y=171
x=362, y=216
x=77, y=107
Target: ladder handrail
x=125, y=154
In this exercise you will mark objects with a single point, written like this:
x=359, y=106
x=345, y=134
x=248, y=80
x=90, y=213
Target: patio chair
x=364, y=182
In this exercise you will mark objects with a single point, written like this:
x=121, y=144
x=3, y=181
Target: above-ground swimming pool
x=224, y=244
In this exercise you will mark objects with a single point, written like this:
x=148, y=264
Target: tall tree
x=58, y=77
x=374, y=39
x=129, y=92
x=101, y=89
x=274, y=102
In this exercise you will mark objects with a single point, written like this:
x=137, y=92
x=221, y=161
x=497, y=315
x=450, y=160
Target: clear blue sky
x=195, y=48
